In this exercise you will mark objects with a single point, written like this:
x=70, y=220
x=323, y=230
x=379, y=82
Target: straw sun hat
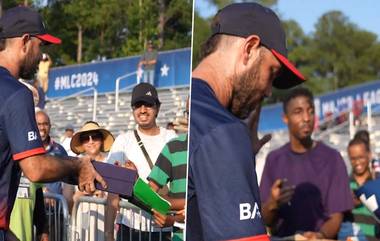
x=76, y=145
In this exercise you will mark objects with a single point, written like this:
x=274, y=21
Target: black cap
x=18, y=21
x=245, y=19
x=145, y=92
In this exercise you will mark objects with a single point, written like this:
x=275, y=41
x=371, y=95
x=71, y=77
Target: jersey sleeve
x=20, y=125
x=226, y=190
x=117, y=152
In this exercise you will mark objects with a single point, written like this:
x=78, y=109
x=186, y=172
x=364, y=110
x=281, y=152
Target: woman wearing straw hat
x=93, y=141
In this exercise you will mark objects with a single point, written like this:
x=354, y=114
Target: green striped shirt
x=362, y=216
x=170, y=167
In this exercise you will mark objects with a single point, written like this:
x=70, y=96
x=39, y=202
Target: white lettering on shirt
x=32, y=136
x=246, y=212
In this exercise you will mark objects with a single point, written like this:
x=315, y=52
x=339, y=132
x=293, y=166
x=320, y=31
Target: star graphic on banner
x=164, y=70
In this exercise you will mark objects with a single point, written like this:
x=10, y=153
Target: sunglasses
x=139, y=104
x=84, y=138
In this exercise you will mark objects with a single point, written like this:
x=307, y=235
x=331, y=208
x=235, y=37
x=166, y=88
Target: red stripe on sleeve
x=263, y=237
x=22, y=155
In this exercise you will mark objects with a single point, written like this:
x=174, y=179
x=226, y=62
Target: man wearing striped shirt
x=171, y=167
x=360, y=221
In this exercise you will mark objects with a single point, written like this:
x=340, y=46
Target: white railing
x=117, y=87
x=95, y=99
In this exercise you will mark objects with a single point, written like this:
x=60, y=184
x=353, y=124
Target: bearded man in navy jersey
x=22, y=33
x=243, y=58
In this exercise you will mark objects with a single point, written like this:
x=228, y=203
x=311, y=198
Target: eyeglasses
x=139, y=104
x=84, y=138
x=43, y=124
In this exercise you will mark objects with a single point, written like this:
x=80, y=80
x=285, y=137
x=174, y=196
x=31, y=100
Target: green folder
x=150, y=198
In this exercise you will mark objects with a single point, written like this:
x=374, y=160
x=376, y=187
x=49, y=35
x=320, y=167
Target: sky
x=364, y=13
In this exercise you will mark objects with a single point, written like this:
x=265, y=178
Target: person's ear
x=25, y=40
x=251, y=48
x=285, y=118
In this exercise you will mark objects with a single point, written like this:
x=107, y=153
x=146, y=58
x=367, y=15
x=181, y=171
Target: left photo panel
x=94, y=119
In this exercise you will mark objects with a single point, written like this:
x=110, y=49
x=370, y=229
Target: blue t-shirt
x=321, y=187
x=223, y=194
x=55, y=149
x=19, y=138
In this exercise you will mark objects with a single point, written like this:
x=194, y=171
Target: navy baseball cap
x=18, y=21
x=144, y=92
x=245, y=19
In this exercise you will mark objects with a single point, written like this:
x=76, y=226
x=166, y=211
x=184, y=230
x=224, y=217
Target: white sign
x=80, y=80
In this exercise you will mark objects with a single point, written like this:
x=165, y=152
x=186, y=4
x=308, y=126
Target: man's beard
x=29, y=66
x=243, y=99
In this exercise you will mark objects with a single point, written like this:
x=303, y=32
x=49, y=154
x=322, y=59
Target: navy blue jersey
x=223, y=194
x=19, y=138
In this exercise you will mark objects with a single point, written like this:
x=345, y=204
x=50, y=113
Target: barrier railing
x=57, y=212
x=95, y=99
x=88, y=222
x=117, y=87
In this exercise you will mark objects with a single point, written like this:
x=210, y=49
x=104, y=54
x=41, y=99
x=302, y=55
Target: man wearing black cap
x=139, y=148
x=243, y=58
x=22, y=32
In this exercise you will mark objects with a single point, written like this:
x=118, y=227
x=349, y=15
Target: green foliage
x=341, y=54
x=116, y=28
x=201, y=33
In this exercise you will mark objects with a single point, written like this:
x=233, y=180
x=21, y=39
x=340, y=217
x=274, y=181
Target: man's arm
x=329, y=229
x=168, y=220
x=110, y=215
x=45, y=168
x=151, y=62
x=39, y=215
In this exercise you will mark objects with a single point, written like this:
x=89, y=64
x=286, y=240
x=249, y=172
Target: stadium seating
x=79, y=109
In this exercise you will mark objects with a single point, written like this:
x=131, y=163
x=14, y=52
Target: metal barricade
x=57, y=213
x=125, y=205
x=88, y=223
x=88, y=219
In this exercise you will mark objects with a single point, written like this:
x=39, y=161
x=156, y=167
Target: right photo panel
x=283, y=122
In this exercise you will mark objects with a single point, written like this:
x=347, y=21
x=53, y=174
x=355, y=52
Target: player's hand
x=281, y=193
x=87, y=175
x=313, y=235
x=181, y=214
x=253, y=123
x=162, y=220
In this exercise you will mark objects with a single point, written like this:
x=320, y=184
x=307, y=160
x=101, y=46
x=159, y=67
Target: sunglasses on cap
x=95, y=136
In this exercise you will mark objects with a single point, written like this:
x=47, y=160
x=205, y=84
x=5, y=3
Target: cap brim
x=50, y=39
x=290, y=75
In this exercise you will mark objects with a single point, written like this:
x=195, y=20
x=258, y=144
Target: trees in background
x=336, y=55
x=98, y=29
